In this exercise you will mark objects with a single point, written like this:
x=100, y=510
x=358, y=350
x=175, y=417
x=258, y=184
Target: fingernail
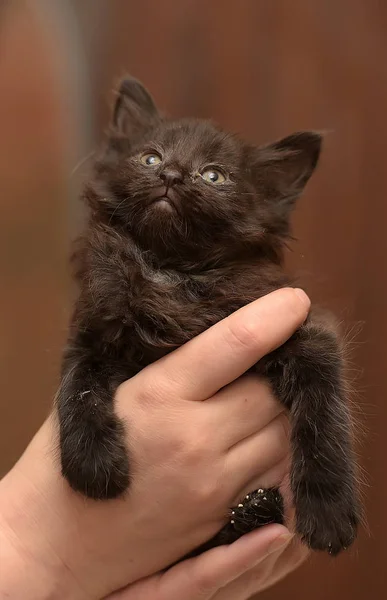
x=302, y=296
x=280, y=542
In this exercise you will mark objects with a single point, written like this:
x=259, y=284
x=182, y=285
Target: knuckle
x=195, y=448
x=151, y=388
x=205, y=584
x=122, y=398
x=242, y=334
x=172, y=447
x=206, y=491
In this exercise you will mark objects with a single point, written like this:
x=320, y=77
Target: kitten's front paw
x=327, y=525
x=94, y=460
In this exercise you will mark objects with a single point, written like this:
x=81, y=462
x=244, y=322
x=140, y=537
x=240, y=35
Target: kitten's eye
x=151, y=159
x=213, y=176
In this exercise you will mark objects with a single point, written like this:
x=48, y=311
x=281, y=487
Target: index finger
x=222, y=353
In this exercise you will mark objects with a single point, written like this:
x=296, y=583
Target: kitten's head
x=192, y=193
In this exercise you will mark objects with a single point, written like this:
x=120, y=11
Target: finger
x=240, y=409
x=259, y=453
x=230, y=562
x=269, y=572
x=292, y=557
x=228, y=349
x=201, y=577
x=263, y=575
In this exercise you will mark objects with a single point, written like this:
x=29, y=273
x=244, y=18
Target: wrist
x=24, y=575
x=31, y=563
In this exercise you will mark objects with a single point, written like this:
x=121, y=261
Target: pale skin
x=195, y=450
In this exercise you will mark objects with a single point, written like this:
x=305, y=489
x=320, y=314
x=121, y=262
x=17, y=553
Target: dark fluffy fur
x=155, y=273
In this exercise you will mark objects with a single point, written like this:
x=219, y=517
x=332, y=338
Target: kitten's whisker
x=116, y=208
x=81, y=162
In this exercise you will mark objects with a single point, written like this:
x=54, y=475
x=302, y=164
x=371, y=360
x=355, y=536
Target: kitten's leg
x=92, y=443
x=260, y=507
x=306, y=375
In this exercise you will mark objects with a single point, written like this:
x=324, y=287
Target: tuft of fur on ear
x=135, y=111
x=282, y=169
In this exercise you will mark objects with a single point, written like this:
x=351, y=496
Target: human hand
x=236, y=572
x=191, y=461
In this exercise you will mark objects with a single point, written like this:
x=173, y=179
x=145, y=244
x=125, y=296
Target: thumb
x=201, y=577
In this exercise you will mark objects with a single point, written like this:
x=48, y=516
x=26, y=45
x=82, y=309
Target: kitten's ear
x=283, y=168
x=135, y=111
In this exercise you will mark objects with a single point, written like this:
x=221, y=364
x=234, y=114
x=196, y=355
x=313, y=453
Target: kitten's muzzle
x=165, y=198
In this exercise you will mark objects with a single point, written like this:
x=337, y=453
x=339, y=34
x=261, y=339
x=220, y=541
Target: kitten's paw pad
x=258, y=508
x=95, y=462
x=327, y=527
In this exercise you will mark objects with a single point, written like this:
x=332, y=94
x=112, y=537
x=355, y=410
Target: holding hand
x=195, y=450
x=236, y=572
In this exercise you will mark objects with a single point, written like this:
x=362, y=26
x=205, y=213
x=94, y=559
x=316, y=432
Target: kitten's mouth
x=164, y=199
x=164, y=203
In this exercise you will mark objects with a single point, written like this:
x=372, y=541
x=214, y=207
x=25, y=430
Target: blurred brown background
x=263, y=68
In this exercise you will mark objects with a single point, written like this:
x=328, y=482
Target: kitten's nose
x=171, y=176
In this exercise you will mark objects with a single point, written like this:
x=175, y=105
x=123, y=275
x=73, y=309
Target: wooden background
x=263, y=68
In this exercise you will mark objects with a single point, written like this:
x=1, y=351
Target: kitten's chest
x=160, y=310
x=167, y=309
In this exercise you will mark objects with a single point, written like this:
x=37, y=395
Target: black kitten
x=187, y=224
